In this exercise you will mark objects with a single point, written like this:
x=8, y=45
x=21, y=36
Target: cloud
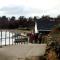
x=23, y=10
x=20, y=11
x=29, y=7
x=15, y=10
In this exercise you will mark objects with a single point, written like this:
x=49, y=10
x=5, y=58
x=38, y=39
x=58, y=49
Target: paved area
x=20, y=52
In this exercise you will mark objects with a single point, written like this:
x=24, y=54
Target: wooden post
x=12, y=38
x=5, y=37
x=1, y=39
x=9, y=38
x=15, y=39
x=21, y=39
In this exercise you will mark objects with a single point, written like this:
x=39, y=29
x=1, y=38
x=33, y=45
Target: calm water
x=7, y=38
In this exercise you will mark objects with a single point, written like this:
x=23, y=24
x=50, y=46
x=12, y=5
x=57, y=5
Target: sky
x=29, y=8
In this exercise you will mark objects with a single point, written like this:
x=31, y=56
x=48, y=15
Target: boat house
x=45, y=26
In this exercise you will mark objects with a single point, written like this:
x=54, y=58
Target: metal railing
x=11, y=37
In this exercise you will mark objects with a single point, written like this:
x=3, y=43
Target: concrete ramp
x=20, y=52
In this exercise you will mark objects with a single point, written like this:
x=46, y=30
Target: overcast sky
x=29, y=7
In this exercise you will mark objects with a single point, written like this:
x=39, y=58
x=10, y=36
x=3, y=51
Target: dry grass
x=51, y=55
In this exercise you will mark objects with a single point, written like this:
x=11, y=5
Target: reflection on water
x=6, y=36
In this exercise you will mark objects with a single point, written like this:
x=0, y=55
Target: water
x=7, y=38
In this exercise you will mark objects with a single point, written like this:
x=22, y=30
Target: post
x=12, y=38
x=1, y=39
x=21, y=39
x=15, y=39
x=9, y=38
x=5, y=37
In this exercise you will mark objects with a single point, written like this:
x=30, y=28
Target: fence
x=10, y=37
